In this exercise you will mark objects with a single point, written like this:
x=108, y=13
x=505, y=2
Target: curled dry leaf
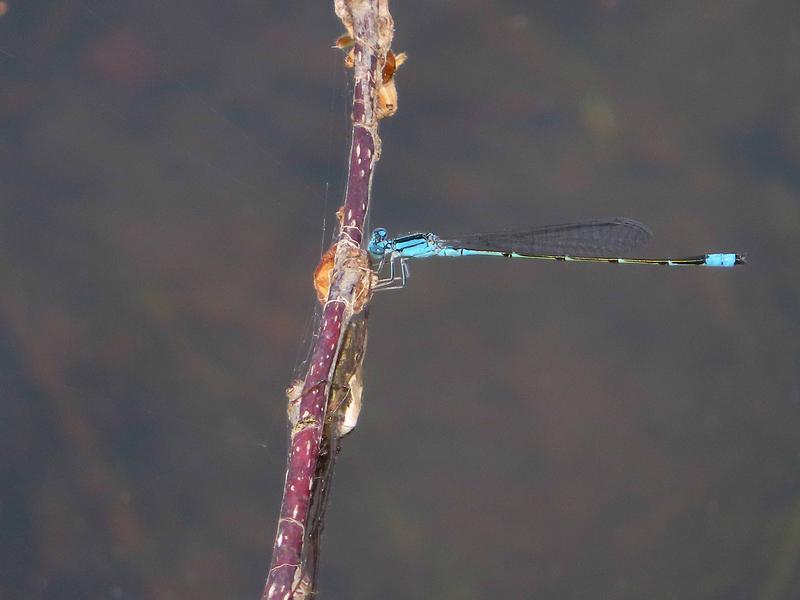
x=360, y=260
x=390, y=62
x=387, y=91
x=344, y=41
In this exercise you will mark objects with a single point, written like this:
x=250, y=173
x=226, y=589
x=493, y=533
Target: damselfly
x=596, y=241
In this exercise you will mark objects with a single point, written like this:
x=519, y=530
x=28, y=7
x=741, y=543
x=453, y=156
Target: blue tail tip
x=725, y=260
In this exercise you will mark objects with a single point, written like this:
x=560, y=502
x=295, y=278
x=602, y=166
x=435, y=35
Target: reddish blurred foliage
x=16, y=99
x=572, y=176
x=3, y=8
x=661, y=139
x=120, y=57
x=515, y=104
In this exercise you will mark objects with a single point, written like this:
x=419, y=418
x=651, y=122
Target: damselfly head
x=378, y=243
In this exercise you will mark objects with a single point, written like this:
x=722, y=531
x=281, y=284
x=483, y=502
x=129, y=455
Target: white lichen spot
x=294, y=512
x=358, y=149
x=350, y=211
x=362, y=172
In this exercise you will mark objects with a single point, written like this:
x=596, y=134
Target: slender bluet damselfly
x=596, y=241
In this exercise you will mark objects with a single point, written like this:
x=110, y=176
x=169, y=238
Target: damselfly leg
x=397, y=275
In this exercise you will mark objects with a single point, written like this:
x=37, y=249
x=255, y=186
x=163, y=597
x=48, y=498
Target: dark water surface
x=529, y=430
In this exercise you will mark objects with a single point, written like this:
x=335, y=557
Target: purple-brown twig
x=370, y=25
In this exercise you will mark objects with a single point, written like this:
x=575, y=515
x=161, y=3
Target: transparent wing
x=600, y=236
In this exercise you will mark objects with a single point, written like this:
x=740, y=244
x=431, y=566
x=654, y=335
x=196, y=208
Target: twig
x=371, y=27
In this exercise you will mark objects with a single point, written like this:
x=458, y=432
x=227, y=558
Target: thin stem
x=369, y=23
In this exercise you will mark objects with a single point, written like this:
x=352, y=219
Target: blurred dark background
x=529, y=430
